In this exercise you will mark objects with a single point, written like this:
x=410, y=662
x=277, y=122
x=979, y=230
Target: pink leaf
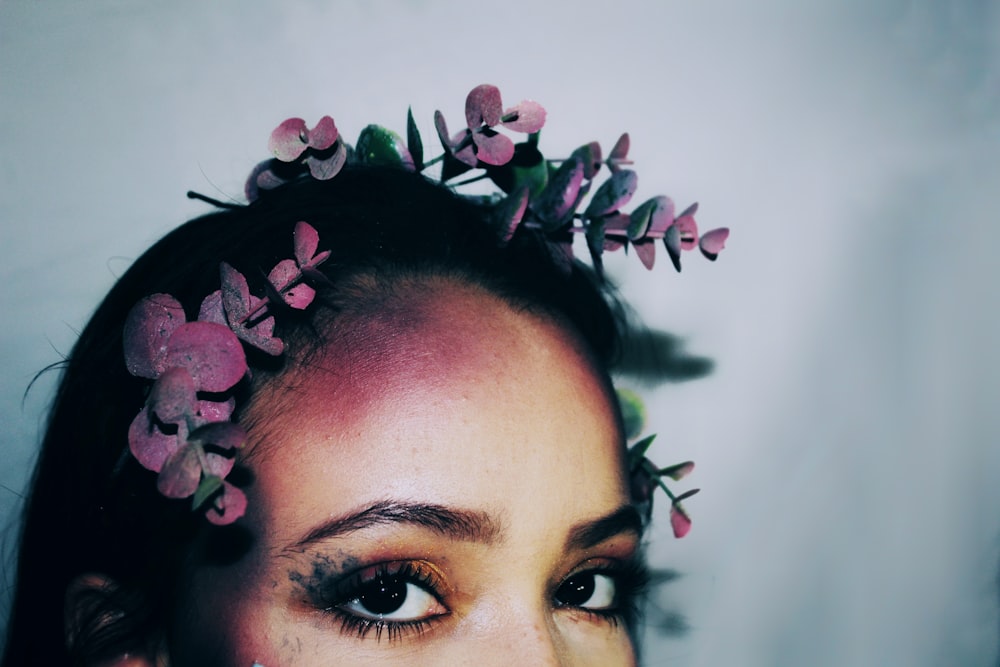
x=645, y=250
x=613, y=193
x=493, y=147
x=688, y=230
x=212, y=310
x=324, y=134
x=150, y=446
x=259, y=332
x=672, y=242
x=326, y=168
x=528, y=116
x=560, y=195
x=180, y=474
x=483, y=106
x=284, y=274
x=300, y=296
x=213, y=411
x=210, y=352
x=225, y=435
x=289, y=140
x=219, y=464
x=173, y=396
x=229, y=506
x=620, y=150
x=679, y=471
x=235, y=294
x=590, y=156
x=679, y=520
x=148, y=327
x=306, y=240
x=662, y=217
x=713, y=242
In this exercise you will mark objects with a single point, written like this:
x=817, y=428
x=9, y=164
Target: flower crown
x=184, y=431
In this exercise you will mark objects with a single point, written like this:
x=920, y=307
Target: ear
x=99, y=628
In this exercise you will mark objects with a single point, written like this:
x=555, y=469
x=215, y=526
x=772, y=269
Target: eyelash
x=630, y=579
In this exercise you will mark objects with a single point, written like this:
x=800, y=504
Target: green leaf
x=633, y=413
x=413, y=141
x=208, y=487
x=637, y=452
x=381, y=146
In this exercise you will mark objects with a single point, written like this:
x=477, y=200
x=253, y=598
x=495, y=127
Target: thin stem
x=191, y=194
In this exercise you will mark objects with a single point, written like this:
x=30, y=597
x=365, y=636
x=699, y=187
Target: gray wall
x=847, y=444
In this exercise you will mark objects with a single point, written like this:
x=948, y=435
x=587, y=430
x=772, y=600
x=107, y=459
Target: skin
x=457, y=403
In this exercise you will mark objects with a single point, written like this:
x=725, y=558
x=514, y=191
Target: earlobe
x=98, y=627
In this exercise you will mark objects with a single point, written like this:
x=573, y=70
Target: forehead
x=442, y=393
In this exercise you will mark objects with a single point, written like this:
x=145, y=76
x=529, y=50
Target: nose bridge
x=523, y=634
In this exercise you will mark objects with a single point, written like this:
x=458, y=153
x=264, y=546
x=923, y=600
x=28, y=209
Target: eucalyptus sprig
x=539, y=193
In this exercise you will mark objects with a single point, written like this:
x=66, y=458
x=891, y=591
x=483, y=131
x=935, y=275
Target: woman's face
x=443, y=486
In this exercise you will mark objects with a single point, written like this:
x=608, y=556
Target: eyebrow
x=625, y=519
x=456, y=524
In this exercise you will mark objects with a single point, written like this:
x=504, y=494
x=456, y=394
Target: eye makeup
x=403, y=599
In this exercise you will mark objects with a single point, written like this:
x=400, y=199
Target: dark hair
x=93, y=508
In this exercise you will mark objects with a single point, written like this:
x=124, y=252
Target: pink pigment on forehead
x=433, y=337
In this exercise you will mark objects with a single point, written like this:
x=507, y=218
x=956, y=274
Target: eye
x=593, y=590
x=389, y=596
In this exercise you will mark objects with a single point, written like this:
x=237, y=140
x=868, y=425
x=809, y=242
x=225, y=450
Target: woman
x=430, y=465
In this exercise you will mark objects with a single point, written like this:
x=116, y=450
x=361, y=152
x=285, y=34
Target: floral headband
x=184, y=431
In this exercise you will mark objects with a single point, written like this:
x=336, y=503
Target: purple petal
x=323, y=135
x=210, y=352
x=173, y=396
x=528, y=116
x=148, y=328
x=713, y=242
x=228, y=507
x=150, y=446
x=688, y=229
x=679, y=521
x=180, y=474
x=613, y=193
x=327, y=168
x=289, y=140
x=483, y=106
x=493, y=147
x=645, y=250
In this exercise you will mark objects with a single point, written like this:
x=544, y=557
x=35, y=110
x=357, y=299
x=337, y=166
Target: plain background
x=847, y=444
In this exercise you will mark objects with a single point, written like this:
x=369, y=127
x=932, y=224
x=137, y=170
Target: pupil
x=577, y=589
x=384, y=595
